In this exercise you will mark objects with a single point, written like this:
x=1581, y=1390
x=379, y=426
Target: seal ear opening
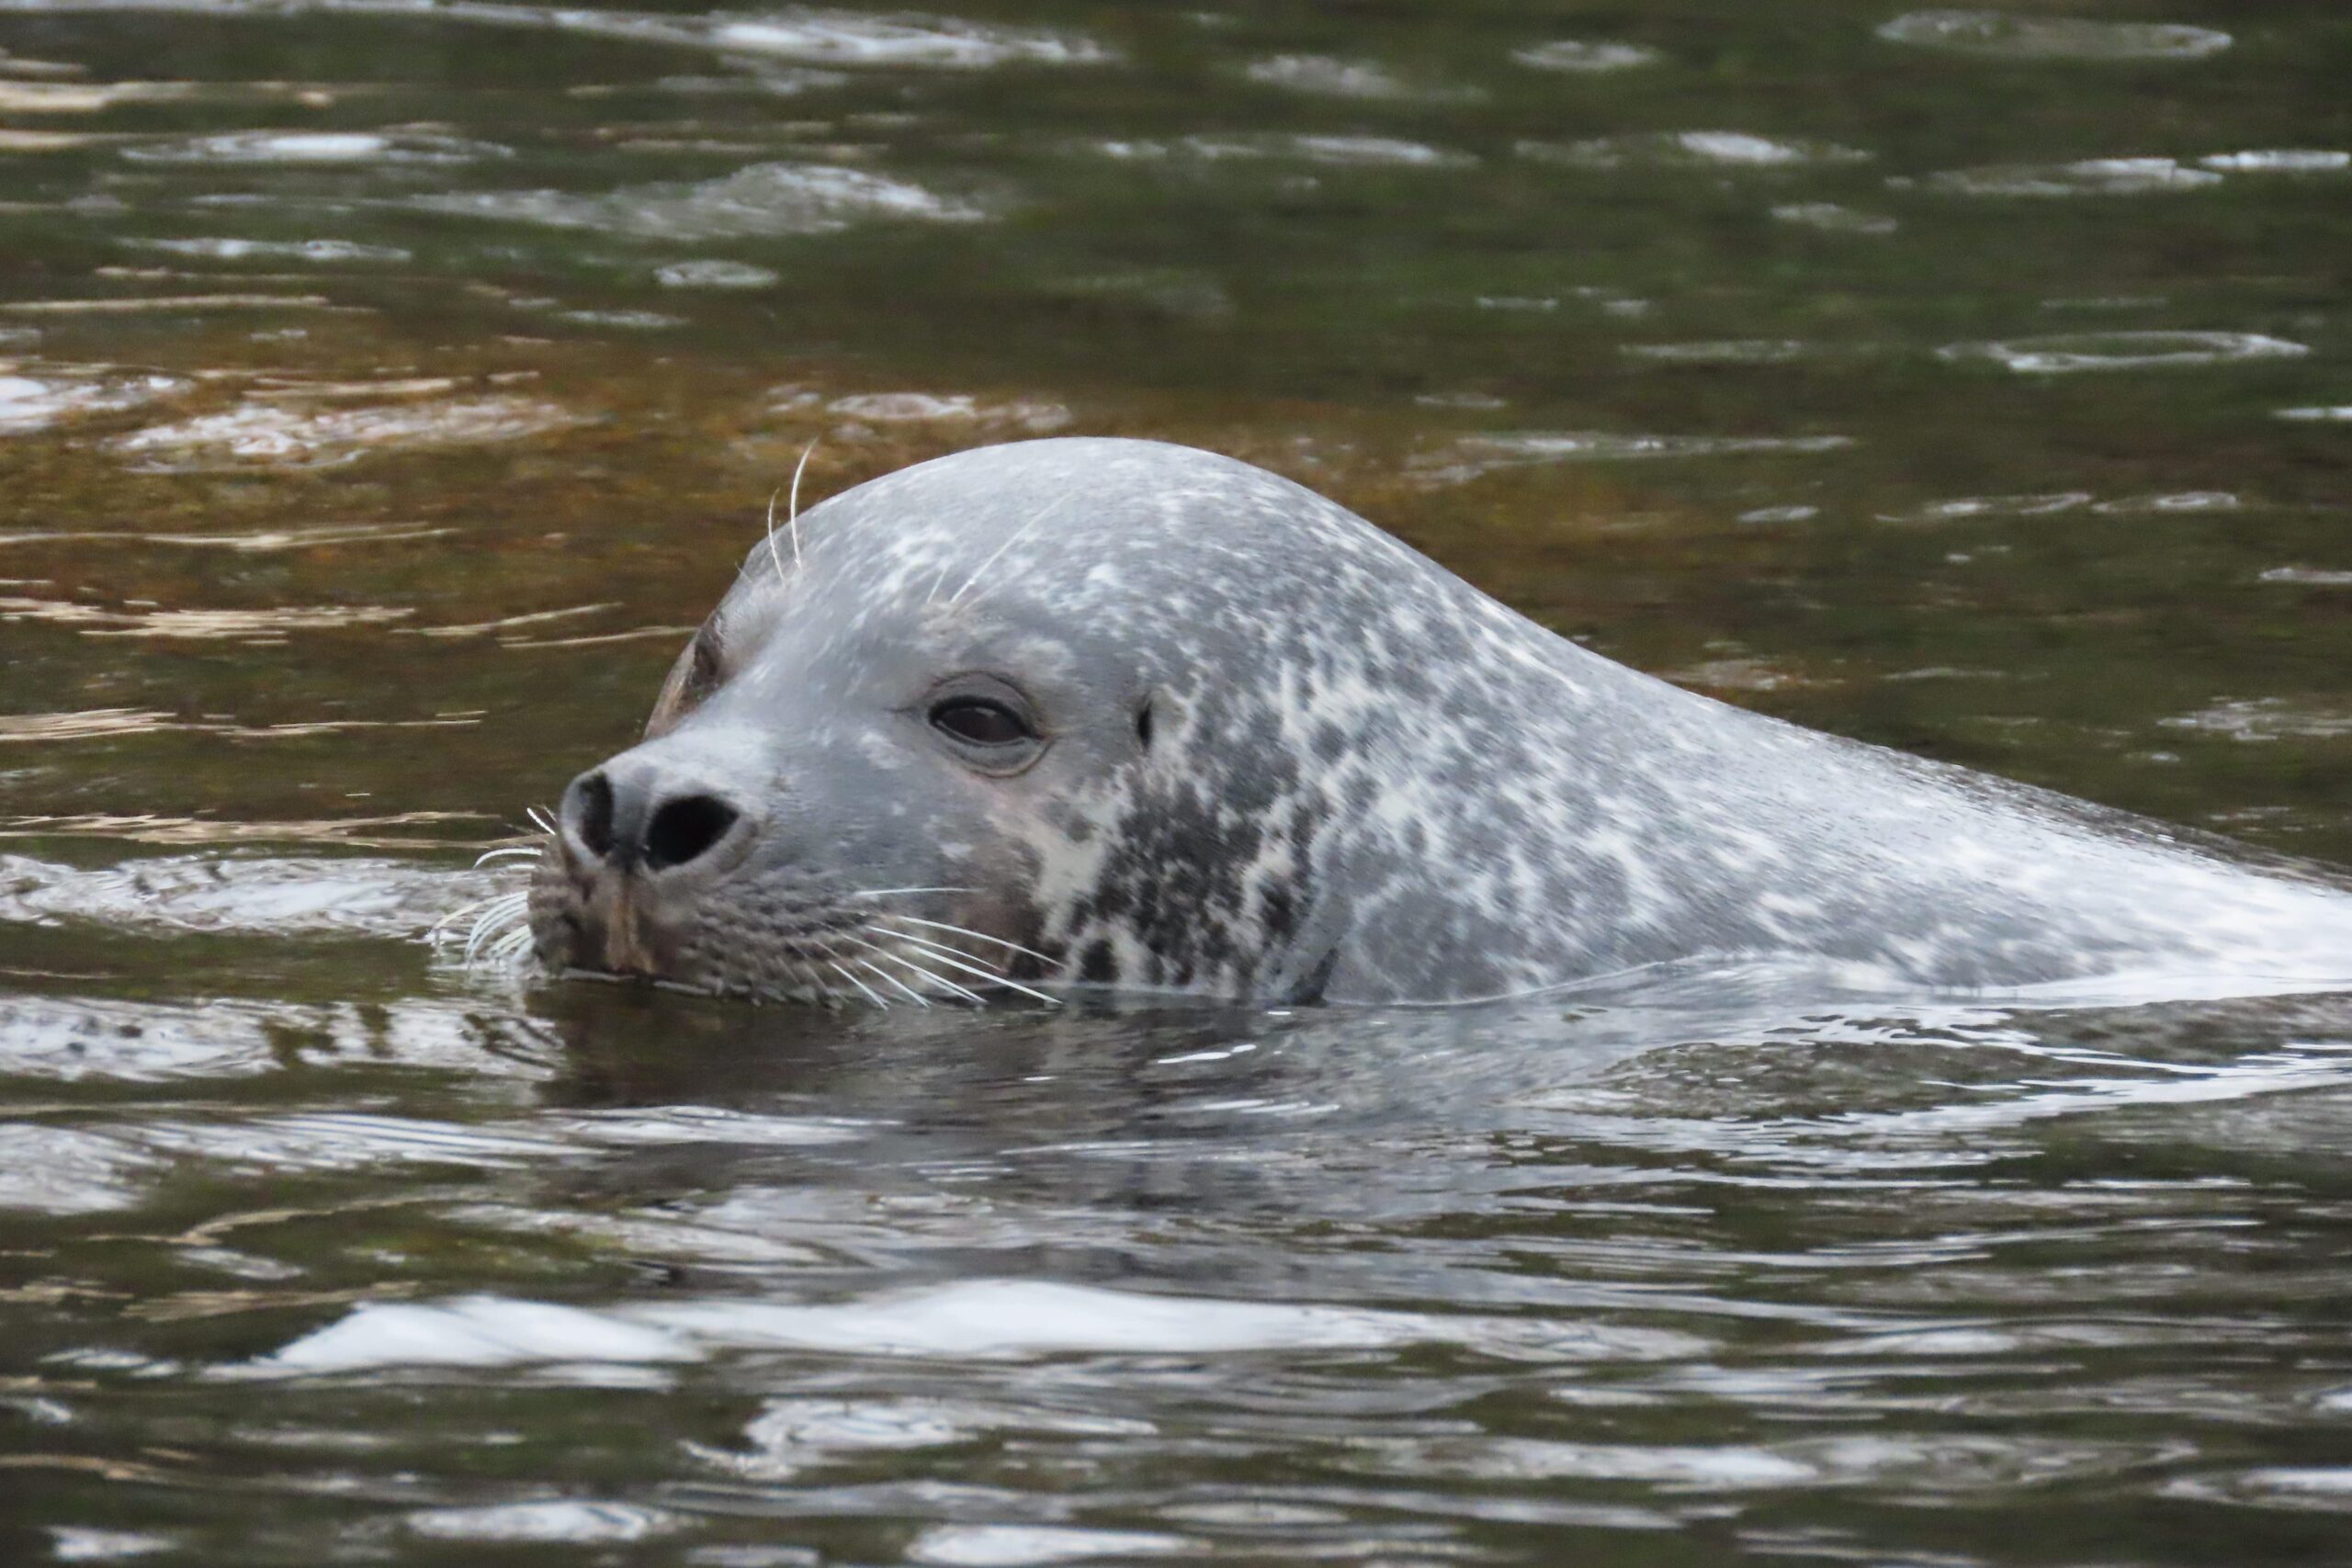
x=1143, y=724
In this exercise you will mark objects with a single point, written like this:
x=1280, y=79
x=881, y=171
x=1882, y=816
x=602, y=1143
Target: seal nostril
x=594, y=819
x=686, y=829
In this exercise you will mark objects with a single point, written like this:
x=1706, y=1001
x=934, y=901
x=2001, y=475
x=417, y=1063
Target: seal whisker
x=962, y=960
x=976, y=936
x=990, y=965
x=511, y=851
x=886, y=892
x=432, y=933
x=773, y=555
x=493, y=922
x=860, y=984
x=868, y=964
x=792, y=513
x=541, y=819
x=486, y=930
x=942, y=981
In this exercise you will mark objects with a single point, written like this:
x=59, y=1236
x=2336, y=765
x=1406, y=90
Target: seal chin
x=717, y=937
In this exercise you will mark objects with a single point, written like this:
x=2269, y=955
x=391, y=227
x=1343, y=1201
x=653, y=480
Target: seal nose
x=644, y=818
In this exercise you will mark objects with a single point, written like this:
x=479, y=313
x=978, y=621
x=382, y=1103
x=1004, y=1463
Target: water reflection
x=388, y=389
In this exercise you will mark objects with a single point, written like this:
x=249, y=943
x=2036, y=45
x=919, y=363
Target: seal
x=1091, y=712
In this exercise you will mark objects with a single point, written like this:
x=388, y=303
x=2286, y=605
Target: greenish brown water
x=386, y=388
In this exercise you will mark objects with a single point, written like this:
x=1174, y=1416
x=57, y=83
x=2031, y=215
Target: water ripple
x=1690, y=150
x=1834, y=219
x=2280, y=161
x=2003, y=36
x=2088, y=176
x=60, y=1170
x=278, y=897
x=312, y=147
x=982, y=1318
x=714, y=275
x=1579, y=55
x=199, y=624
x=2065, y=352
x=1473, y=456
x=2262, y=719
x=34, y=403
x=1325, y=77
x=569, y=1521
x=764, y=199
x=1037, y=1546
x=272, y=436
x=232, y=249
x=820, y=37
x=1343, y=151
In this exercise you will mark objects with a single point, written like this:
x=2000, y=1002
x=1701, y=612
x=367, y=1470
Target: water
x=387, y=388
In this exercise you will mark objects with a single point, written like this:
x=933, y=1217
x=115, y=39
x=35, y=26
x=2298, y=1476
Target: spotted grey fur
x=1290, y=758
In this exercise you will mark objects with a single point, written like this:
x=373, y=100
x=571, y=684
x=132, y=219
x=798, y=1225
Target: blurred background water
x=386, y=386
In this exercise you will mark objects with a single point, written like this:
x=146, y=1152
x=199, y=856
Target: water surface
x=385, y=388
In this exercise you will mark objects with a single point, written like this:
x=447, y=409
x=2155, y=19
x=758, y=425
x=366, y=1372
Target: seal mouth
x=810, y=944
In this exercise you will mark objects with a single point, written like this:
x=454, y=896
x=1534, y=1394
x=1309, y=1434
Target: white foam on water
x=1732, y=351
x=2000, y=35
x=627, y=320
x=848, y=37
x=316, y=1141
x=34, y=403
x=61, y=1170
x=1965, y=508
x=568, y=1521
x=221, y=249
x=475, y=1331
x=2307, y=577
x=279, y=896
x=2066, y=352
x=674, y=1124
x=791, y=1437
x=1037, y=1546
x=1473, y=456
x=764, y=200
x=800, y=33
x=2180, y=501
x=1576, y=54
x=1382, y=151
x=316, y=147
x=1832, y=218
x=77, y=1544
x=2280, y=161
x=926, y=408
x=86, y=97
x=1327, y=76
x=1691, y=150
x=991, y=1318
x=978, y=1319
x=2262, y=719
x=714, y=275
x=2087, y=177
x=272, y=435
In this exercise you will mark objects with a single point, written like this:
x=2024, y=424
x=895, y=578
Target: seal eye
x=979, y=721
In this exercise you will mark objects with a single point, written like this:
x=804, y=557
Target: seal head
x=1090, y=711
